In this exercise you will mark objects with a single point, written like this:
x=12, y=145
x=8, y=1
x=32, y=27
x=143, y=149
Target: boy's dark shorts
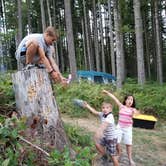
x=110, y=146
x=22, y=54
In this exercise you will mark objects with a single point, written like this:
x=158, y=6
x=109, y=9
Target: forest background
x=125, y=38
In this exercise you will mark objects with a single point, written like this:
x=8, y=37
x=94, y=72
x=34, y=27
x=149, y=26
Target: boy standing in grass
x=105, y=137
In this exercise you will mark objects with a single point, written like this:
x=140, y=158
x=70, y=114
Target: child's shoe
x=104, y=159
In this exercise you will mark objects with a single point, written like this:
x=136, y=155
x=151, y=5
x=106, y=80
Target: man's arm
x=55, y=67
x=45, y=60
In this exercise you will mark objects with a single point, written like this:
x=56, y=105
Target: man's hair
x=51, y=31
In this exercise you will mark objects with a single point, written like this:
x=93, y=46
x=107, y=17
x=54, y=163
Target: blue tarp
x=82, y=73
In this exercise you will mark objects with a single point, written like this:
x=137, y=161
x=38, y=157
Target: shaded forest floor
x=149, y=148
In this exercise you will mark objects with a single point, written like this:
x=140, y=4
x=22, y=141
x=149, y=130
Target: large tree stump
x=35, y=101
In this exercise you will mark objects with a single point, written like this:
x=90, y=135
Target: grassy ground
x=149, y=147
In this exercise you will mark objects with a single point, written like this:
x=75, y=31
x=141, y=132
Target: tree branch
x=35, y=146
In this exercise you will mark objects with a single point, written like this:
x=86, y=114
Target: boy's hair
x=125, y=98
x=106, y=103
x=51, y=31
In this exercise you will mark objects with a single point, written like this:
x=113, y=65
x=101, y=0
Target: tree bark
x=70, y=38
x=118, y=45
x=111, y=39
x=158, y=44
x=95, y=34
x=19, y=36
x=35, y=101
x=87, y=36
x=139, y=42
x=102, y=39
x=42, y=15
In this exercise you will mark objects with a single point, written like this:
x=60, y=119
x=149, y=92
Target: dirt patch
x=90, y=123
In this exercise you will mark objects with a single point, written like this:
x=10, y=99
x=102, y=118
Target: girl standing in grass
x=126, y=111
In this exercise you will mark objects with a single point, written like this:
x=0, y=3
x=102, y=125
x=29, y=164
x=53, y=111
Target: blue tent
x=94, y=76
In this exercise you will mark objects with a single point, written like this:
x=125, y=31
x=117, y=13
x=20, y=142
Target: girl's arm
x=136, y=112
x=113, y=97
x=91, y=109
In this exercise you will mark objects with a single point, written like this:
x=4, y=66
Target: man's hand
x=63, y=81
x=55, y=76
x=58, y=78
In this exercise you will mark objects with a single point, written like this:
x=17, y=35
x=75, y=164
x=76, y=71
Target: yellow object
x=145, y=117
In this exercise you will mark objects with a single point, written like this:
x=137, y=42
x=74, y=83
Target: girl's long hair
x=125, y=98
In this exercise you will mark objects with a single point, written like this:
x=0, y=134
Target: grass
x=149, y=146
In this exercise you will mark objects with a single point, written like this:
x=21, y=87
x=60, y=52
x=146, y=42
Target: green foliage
x=6, y=91
x=9, y=145
x=150, y=98
x=78, y=136
x=84, y=91
x=82, y=144
x=83, y=157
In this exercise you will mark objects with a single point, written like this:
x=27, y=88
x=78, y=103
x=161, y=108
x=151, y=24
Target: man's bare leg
x=32, y=49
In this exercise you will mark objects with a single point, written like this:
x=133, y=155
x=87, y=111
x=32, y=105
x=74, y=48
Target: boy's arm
x=100, y=131
x=91, y=109
x=113, y=97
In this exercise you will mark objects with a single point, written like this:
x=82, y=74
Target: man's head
x=50, y=35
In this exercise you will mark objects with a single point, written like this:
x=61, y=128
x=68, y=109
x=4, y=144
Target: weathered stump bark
x=35, y=101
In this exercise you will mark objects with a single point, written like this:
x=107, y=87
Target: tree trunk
x=19, y=36
x=158, y=45
x=42, y=15
x=102, y=39
x=84, y=46
x=70, y=38
x=118, y=46
x=28, y=3
x=95, y=34
x=49, y=12
x=139, y=42
x=87, y=36
x=111, y=39
x=35, y=101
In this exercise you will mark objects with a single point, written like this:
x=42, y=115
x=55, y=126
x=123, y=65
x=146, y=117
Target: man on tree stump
x=33, y=91
x=35, y=50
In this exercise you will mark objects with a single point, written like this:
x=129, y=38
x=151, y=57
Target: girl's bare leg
x=129, y=153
